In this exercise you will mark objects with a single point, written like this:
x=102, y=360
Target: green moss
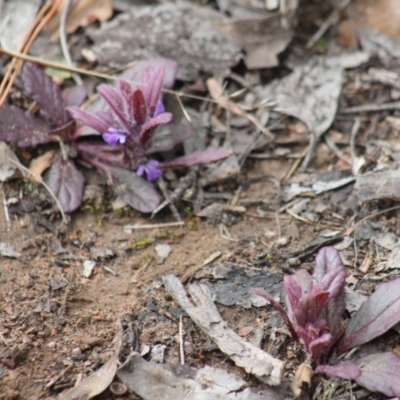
x=191, y=224
x=119, y=212
x=163, y=235
x=189, y=212
x=177, y=234
x=141, y=243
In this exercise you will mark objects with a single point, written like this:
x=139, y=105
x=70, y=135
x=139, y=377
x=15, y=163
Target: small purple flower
x=114, y=136
x=151, y=168
x=132, y=117
x=160, y=109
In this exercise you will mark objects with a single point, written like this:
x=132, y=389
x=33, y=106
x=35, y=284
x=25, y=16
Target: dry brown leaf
x=382, y=16
x=40, y=164
x=82, y=13
x=216, y=93
x=303, y=375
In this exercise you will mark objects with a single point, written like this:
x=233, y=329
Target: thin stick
x=331, y=20
x=338, y=153
x=59, y=375
x=155, y=226
x=63, y=40
x=191, y=271
x=181, y=348
x=185, y=113
x=294, y=166
x=163, y=187
x=395, y=105
x=6, y=213
x=95, y=74
x=354, y=131
x=300, y=218
x=140, y=270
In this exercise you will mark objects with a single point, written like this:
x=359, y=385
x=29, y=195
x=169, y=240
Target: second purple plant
x=315, y=304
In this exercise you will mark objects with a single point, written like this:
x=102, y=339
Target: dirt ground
x=53, y=318
x=58, y=325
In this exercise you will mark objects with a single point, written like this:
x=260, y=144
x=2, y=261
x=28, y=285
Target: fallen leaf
x=40, y=164
x=81, y=13
x=303, y=375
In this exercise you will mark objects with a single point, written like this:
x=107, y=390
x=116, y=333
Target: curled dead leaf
x=303, y=375
x=40, y=164
x=82, y=13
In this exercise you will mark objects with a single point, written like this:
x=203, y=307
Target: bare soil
x=57, y=324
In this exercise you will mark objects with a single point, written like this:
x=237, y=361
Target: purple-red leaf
x=135, y=72
x=320, y=345
x=376, y=315
x=94, y=151
x=327, y=259
x=73, y=96
x=66, y=182
x=380, y=372
x=168, y=136
x=330, y=273
x=92, y=120
x=345, y=370
x=198, y=158
x=148, y=129
x=22, y=127
x=138, y=106
x=279, y=308
x=116, y=102
x=64, y=132
x=46, y=92
x=153, y=79
x=138, y=193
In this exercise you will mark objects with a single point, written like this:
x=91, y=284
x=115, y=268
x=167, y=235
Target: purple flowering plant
x=116, y=136
x=315, y=305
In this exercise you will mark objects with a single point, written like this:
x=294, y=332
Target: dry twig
x=206, y=316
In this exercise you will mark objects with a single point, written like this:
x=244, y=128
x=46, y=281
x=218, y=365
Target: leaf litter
x=283, y=233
